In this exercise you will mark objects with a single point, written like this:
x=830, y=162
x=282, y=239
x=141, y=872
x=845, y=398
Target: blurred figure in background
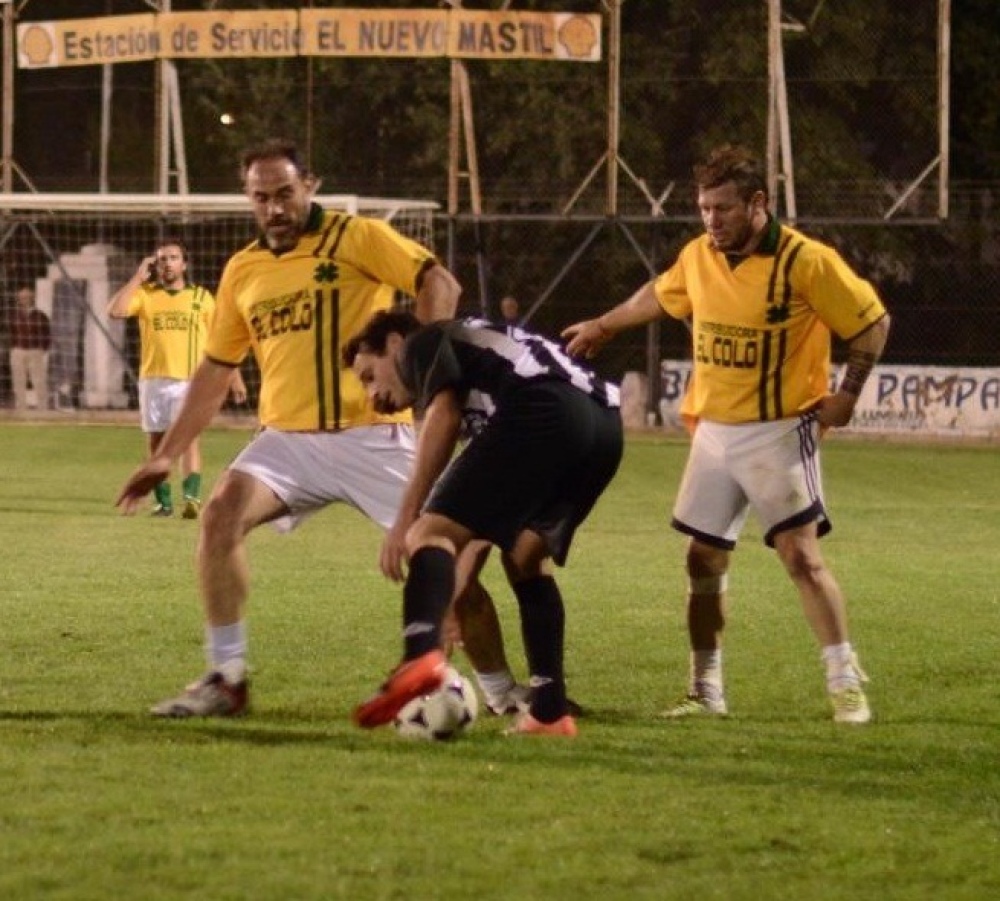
x=510, y=315
x=174, y=317
x=30, y=339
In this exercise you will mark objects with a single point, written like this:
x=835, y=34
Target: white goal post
x=76, y=250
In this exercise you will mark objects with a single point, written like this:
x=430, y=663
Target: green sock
x=192, y=485
x=162, y=494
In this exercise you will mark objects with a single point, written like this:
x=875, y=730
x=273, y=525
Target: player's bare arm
x=437, y=295
x=437, y=439
x=863, y=352
x=585, y=339
x=118, y=305
x=205, y=396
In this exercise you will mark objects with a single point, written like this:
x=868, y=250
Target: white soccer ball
x=441, y=715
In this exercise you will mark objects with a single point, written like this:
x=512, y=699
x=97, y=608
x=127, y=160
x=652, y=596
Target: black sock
x=430, y=584
x=543, y=626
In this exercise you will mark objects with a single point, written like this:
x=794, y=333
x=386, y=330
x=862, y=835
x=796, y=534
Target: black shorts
x=541, y=462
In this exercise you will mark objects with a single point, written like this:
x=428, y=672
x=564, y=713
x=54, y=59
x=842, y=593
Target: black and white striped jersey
x=484, y=366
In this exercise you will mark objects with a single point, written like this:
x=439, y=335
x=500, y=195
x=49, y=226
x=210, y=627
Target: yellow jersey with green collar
x=297, y=309
x=762, y=324
x=173, y=329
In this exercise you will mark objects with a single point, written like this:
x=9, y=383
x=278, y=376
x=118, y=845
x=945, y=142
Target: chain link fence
x=940, y=282
x=75, y=251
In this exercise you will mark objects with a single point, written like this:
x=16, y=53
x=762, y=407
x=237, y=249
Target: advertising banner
x=936, y=401
x=222, y=34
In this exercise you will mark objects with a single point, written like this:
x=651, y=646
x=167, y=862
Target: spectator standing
x=30, y=339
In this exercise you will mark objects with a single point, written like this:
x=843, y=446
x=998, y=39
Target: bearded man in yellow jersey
x=763, y=300
x=174, y=317
x=294, y=297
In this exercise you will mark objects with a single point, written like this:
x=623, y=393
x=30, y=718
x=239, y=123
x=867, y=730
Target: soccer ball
x=441, y=715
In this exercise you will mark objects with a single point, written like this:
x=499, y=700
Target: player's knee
x=525, y=568
x=804, y=567
x=708, y=565
x=530, y=558
x=802, y=562
x=223, y=518
x=219, y=526
x=435, y=531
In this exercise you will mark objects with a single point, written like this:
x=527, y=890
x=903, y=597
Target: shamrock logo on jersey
x=326, y=272
x=777, y=313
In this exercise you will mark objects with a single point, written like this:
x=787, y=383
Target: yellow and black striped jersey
x=762, y=324
x=173, y=329
x=297, y=309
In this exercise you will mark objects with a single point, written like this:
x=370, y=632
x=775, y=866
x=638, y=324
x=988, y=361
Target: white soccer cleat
x=217, y=693
x=850, y=706
x=693, y=705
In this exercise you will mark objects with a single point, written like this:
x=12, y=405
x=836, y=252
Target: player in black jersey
x=546, y=439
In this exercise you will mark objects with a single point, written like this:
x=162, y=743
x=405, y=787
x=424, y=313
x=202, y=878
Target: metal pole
x=944, y=103
x=161, y=125
x=310, y=85
x=475, y=195
x=614, y=99
x=107, y=88
x=773, y=49
x=8, y=97
x=177, y=129
x=785, y=134
x=454, y=137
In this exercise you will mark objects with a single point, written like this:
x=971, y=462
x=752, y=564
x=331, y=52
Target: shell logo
x=36, y=46
x=578, y=37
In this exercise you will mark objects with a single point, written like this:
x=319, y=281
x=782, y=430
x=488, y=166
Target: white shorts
x=367, y=467
x=772, y=467
x=160, y=401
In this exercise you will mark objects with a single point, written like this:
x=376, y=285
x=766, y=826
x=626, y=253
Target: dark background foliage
x=862, y=97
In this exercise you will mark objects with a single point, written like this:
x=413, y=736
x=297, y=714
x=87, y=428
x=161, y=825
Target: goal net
x=76, y=250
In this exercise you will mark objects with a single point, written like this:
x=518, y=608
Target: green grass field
x=99, y=618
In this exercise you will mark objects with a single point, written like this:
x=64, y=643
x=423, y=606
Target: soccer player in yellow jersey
x=763, y=300
x=174, y=317
x=294, y=297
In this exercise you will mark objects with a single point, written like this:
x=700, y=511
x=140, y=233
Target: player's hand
x=238, y=393
x=392, y=557
x=585, y=339
x=147, y=268
x=141, y=482
x=836, y=410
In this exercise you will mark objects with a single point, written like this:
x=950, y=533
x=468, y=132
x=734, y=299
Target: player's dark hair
x=374, y=337
x=732, y=163
x=174, y=242
x=273, y=149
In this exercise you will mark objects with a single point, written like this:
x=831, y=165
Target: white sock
x=495, y=685
x=706, y=674
x=841, y=667
x=226, y=643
